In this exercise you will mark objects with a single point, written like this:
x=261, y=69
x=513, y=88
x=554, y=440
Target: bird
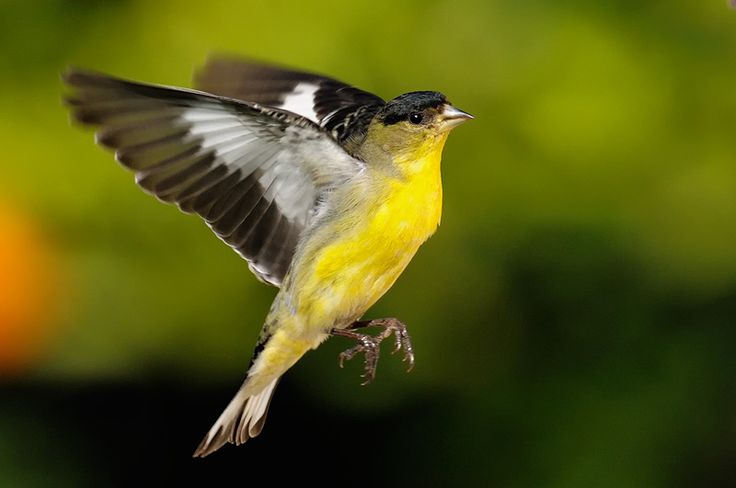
x=326, y=190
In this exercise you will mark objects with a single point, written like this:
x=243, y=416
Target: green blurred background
x=574, y=318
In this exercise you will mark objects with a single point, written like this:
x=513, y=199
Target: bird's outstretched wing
x=340, y=109
x=255, y=174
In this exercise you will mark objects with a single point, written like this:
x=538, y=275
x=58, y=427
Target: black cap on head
x=400, y=107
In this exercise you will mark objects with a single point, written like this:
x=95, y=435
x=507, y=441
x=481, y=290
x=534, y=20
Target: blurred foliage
x=574, y=317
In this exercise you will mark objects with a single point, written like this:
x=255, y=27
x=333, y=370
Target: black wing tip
x=79, y=113
x=70, y=74
x=77, y=79
x=84, y=119
x=80, y=77
x=71, y=101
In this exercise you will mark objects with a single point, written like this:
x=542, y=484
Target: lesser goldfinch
x=326, y=190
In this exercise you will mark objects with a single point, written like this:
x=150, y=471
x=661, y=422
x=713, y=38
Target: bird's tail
x=245, y=415
x=242, y=419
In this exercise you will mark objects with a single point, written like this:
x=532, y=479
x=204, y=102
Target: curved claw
x=403, y=341
x=399, y=343
x=342, y=357
x=409, y=357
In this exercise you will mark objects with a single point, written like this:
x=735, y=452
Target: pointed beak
x=452, y=117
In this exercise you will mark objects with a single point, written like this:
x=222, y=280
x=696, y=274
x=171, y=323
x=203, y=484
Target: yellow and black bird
x=326, y=190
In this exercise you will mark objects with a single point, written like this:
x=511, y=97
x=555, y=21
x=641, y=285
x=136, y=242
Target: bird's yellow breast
x=372, y=244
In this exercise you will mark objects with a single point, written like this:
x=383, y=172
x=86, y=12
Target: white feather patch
x=203, y=114
x=301, y=101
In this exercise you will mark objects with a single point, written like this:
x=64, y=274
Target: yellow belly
x=358, y=256
x=360, y=270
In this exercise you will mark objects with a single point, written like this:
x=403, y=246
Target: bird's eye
x=416, y=118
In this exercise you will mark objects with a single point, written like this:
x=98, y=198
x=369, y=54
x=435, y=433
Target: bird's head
x=414, y=124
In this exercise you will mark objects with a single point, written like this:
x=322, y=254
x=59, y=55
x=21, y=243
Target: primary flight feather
x=326, y=190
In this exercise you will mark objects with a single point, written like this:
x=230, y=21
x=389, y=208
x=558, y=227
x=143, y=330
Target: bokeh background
x=574, y=318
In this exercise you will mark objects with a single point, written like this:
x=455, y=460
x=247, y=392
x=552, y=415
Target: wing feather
x=332, y=104
x=255, y=174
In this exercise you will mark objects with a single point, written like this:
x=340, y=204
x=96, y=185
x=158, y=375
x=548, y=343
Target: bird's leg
x=370, y=345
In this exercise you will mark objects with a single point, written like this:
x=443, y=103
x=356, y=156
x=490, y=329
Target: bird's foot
x=370, y=345
x=367, y=345
x=398, y=329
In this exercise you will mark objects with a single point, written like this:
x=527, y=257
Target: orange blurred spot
x=27, y=283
